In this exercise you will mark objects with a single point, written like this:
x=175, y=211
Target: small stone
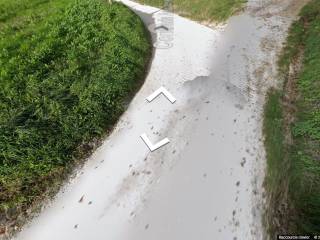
x=81, y=199
x=3, y=230
x=147, y=172
x=243, y=162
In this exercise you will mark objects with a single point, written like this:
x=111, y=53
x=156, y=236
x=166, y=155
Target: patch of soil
x=270, y=8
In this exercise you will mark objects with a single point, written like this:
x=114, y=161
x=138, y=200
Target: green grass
x=274, y=138
x=302, y=176
x=67, y=70
x=202, y=10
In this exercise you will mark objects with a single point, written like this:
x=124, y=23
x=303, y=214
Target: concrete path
x=207, y=182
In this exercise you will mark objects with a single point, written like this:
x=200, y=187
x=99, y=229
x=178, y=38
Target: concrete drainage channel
x=205, y=184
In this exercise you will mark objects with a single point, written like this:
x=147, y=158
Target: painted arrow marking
x=165, y=92
x=151, y=146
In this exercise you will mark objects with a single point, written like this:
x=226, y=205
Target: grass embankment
x=67, y=70
x=202, y=10
x=293, y=174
